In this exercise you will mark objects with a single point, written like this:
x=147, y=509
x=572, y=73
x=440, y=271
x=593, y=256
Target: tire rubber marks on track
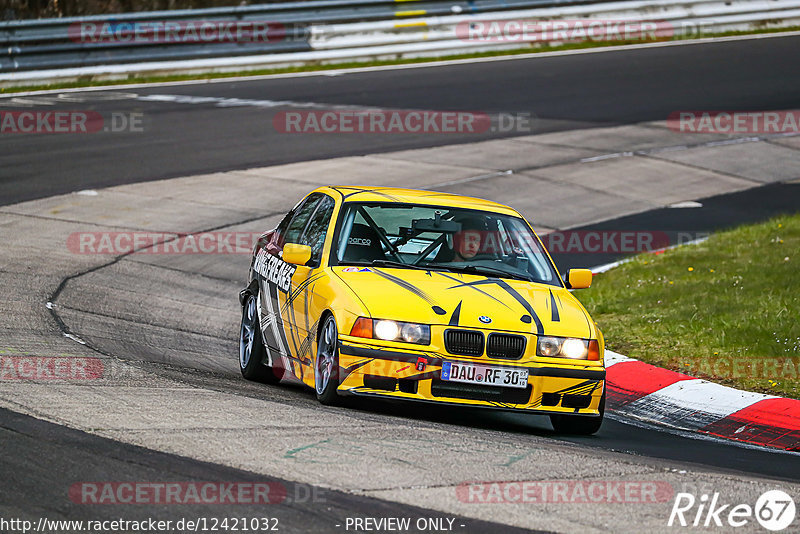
x=64, y=98
x=222, y=102
x=692, y=404
x=678, y=148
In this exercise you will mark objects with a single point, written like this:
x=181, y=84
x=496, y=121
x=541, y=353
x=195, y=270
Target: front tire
x=577, y=425
x=251, y=346
x=326, y=364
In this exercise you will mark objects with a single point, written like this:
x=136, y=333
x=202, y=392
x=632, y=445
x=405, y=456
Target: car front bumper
x=371, y=369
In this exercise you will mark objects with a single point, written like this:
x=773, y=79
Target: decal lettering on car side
x=274, y=270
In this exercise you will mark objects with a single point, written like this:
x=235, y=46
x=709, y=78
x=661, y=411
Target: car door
x=302, y=303
x=274, y=289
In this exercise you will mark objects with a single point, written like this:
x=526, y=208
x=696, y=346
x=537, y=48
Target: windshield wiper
x=391, y=263
x=481, y=269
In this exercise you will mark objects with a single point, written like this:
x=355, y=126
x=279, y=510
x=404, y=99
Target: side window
x=281, y=228
x=314, y=235
x=298, y=222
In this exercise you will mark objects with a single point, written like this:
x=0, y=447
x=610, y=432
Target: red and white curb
x=651, y=394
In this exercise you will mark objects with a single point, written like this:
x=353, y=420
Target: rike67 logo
x=774, y=510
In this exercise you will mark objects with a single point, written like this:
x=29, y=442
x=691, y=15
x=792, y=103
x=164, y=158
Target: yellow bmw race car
x=424, y=296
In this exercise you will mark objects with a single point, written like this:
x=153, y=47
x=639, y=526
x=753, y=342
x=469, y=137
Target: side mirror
x=296, y=254
x=578, y=278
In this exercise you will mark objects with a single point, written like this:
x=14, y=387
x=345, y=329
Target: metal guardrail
x=688, y=18
x=328, y=31
x=57, y=43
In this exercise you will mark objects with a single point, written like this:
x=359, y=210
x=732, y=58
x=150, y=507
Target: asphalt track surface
x=565, y=93
x=614, y=436
x=682, y=225
x=47, y=457
x=561, y=93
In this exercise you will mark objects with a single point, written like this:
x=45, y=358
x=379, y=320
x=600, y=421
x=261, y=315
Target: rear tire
x=252, y=353
x=579, y=425
x=326, y=364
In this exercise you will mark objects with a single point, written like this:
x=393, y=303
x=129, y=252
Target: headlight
x=388, y=330
x=414, y=333
x=392, y=330
x=568, y=347
x=576, y=349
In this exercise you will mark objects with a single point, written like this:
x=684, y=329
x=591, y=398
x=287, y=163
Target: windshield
x=441, y=238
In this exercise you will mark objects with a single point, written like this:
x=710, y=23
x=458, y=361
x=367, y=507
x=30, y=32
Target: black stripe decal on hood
x=482, y=292
x=554, y=308
x=525, y=304
x=405, y=285
x=456, y=314
x=511, y=291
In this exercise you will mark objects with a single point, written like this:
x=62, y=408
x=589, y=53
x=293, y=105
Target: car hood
x=467, y=301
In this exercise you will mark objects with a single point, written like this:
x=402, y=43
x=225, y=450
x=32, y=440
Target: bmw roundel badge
x=484, y=319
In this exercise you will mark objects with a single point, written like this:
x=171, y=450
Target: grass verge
x=534, y=48
x=727, y=309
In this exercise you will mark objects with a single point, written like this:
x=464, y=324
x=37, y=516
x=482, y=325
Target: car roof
x=414, y=196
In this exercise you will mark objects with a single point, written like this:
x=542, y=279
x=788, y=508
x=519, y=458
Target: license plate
x=471, y=373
